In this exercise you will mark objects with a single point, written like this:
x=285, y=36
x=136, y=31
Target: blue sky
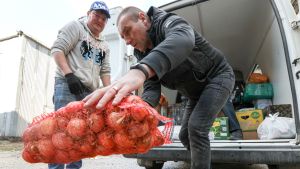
x=41, y=19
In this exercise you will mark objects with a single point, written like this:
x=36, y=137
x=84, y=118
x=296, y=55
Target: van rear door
x=290, y=24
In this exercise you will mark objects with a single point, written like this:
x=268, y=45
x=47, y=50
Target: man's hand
x=116, y=91
x=75, y=85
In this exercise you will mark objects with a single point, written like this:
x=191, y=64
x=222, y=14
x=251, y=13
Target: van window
x=295, y=5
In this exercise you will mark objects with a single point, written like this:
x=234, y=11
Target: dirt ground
x=10, y=158
x=10, y=144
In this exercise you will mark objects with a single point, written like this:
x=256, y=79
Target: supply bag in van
x=274, y=127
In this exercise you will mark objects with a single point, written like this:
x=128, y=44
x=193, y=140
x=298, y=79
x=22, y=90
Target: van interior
x=248, y=33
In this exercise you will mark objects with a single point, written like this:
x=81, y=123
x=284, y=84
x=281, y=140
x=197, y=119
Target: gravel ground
x=10, y=158
x=13, y=160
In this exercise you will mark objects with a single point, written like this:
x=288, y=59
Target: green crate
x=258, y=91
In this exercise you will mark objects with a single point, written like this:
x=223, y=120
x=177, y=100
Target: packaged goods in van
x=249, y=120
x=258, y=78
x=262, y=103
x=219, y=130
x=258, y=91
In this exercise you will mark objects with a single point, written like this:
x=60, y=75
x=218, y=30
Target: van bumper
x=255, y=155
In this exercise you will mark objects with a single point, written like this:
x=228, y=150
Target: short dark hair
x=131, y=11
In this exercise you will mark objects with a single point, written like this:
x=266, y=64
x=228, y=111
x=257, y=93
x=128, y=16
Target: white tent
x=27, y=78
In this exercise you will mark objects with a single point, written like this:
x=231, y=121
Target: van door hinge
x=295, y=61
x=295, y=24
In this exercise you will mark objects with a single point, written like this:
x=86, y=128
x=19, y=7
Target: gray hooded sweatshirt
x=87, y=55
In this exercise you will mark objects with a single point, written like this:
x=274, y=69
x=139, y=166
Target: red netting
x=74, y=132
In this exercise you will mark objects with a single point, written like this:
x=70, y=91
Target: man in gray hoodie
x=82, y=56
x=171, y=53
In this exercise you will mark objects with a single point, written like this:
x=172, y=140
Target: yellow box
x=249, y=120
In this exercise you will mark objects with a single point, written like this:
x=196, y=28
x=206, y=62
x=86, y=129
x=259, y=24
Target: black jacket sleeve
x=152, y=91
x=177, y=44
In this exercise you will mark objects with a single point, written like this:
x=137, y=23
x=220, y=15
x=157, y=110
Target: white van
x=249, y=32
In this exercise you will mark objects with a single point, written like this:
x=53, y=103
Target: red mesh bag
x=74, y=132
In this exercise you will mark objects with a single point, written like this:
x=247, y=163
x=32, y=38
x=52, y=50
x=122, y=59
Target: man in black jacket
x=171, y=53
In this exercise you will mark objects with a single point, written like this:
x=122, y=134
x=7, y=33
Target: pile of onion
x=74, y=132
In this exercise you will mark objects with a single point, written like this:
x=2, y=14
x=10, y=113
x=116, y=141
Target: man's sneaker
x=236, y=135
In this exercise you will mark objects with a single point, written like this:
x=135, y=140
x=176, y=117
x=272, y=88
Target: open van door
x=290, y=23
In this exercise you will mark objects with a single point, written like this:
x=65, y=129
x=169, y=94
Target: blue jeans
x=198, y=118
x=229, y=112
x=63, y=96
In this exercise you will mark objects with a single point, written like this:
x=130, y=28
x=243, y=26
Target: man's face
x=96, y=21
x=134, y=33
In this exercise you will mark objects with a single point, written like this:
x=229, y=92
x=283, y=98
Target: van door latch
x=295, y=61
x=297, y=74
x=295, y=24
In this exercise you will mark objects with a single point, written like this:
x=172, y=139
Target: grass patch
x=11, y=145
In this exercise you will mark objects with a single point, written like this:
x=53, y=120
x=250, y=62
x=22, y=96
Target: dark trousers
x=63, y=96
x=199, y=116
x=229, y=112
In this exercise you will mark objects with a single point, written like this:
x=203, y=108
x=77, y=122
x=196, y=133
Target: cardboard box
x=250, y=135
x=249, y=120
x=219, y=129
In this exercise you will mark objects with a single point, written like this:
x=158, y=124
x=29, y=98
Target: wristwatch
x=141, y=68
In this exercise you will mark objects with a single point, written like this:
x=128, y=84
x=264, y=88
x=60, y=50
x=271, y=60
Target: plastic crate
x=258, y=91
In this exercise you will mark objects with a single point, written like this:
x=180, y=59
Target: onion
x=61, y=157
x=62, y=123
x=32, y=133
x=31, y=152
x=26, y=137
x=75, y=155
x=138, y=129
x=96, y=122
x=138, y=113
x=31, y=147
x=101, y=150
x=74, y=106
x=144, y=143
x=76, y=127
x=105, y=139
x=62, y=112
x=62, y=141
x=116, y=120
x=91, y=138
x=122, y=140
x=109, y=107
x=48, y=126
x=152, y=121
x=28, y=157
x=46, y=148
x=86, y=148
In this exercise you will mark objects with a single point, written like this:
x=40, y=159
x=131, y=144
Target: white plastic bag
x=274, y=127
x=174, y=132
